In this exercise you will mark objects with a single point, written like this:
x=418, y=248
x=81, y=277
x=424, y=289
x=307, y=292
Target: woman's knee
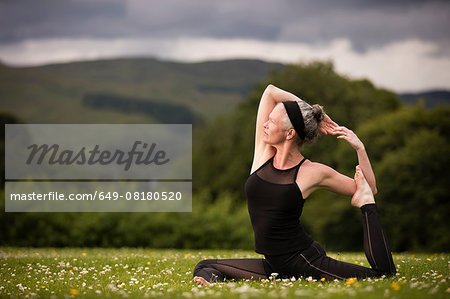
x=203, y=264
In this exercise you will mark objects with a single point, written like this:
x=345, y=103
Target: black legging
x=310, y=262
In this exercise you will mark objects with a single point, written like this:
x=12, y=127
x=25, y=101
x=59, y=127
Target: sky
x=400, y=45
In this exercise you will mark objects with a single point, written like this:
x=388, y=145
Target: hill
x=128, y=90
x=431, y=98
x=140, y=90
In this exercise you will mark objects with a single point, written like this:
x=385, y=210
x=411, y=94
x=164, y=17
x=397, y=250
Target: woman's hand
x=363, y=159
x=349, y=136
x=327, y=126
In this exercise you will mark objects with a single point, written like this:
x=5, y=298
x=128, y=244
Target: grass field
x=135, y=273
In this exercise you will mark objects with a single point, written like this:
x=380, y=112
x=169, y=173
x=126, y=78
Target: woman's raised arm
x=270, y=98
x=363, y=158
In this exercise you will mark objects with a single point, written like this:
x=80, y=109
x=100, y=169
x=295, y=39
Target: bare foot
x=363, y=194
x=201, y=281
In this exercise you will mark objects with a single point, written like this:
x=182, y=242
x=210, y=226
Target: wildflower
x=273, y=276
x=350, y=280
x=74, y=292
x=322, y=279
x=111, y=287
x=186, y=255
x=428, y=259
x=395, y=286
x=148, y=263
x=37, y=253
x=83, y=254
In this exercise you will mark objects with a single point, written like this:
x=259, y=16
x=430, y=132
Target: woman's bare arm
x=330, y=179
x=363, y=158
x=270, y=98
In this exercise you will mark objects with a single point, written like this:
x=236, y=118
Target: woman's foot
x=363, y=194
x=201, y=281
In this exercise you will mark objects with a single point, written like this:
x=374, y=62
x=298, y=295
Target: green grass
x=99, y=272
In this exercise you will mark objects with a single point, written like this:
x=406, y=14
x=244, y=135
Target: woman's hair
x=312, y=116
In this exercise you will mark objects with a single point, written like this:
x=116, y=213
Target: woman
x=280, y=181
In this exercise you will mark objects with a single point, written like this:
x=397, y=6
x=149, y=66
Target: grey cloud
x=374, y=24
x=365, y=23
x=55, y=18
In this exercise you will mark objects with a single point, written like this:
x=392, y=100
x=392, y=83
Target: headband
x=295, y=116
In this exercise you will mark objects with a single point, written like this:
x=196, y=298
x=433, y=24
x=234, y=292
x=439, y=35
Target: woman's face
x=274, y=130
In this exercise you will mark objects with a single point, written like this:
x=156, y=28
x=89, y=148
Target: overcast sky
x=400, y=45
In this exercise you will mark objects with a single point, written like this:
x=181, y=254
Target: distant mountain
x=162, y=112
x=140, y=90
x=431, y=98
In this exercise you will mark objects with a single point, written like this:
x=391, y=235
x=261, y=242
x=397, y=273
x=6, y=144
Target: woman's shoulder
x=316, y=167
x=312, y=176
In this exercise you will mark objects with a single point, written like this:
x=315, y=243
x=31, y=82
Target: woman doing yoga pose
x=280, y=180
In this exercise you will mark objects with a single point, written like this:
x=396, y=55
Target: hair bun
x=318, y=112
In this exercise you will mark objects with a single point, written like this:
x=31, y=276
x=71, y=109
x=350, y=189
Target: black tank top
x=275, y=204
